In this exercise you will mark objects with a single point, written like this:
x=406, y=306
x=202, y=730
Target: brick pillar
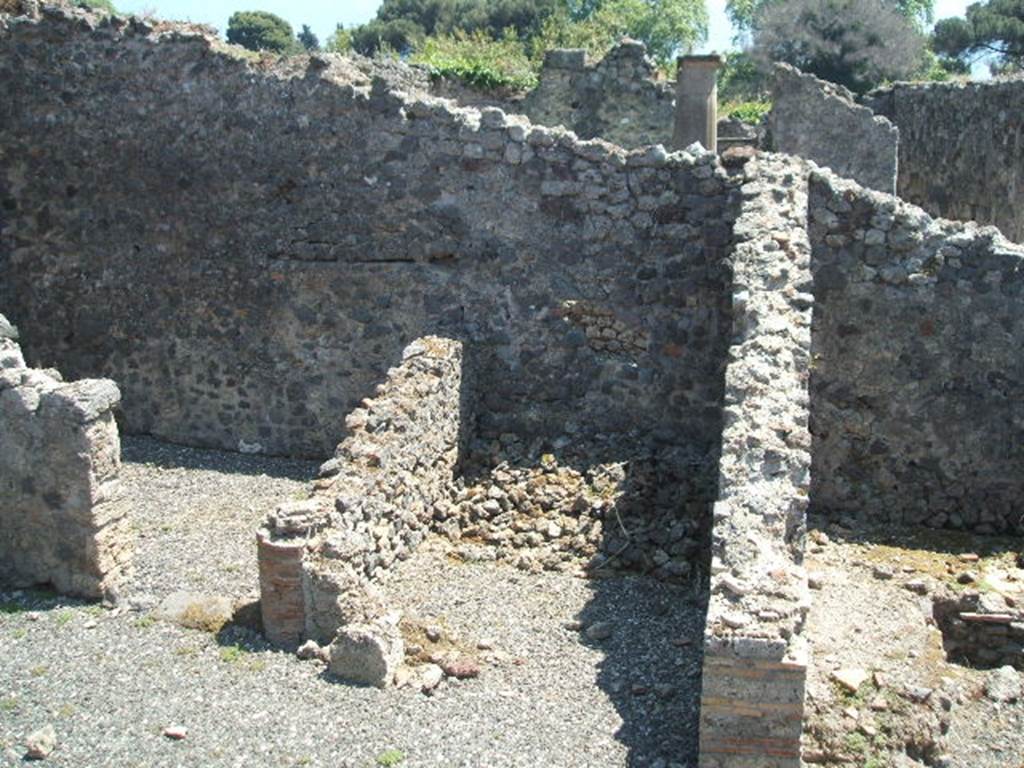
x=282, y=604
x=752, y=704
x=697, y=102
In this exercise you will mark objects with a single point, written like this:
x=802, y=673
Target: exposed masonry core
x=755, y=660
x=60, y=514
x=642, y=360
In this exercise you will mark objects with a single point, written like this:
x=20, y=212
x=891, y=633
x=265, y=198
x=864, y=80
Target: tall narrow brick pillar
x=280, y=548
x=697, y=102
x=282, y=605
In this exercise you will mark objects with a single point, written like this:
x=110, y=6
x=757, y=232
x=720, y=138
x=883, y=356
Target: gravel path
x=110, y=681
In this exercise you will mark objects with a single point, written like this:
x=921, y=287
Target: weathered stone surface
x=63, y=522
x=1004, y=685
x=917, y=391
x=820, y=121
x=961, y=148
x=618, y=99
x=361, y=219
x=367, y=654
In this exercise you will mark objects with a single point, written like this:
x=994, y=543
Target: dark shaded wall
x=961, y=149
x=917, y=377
x=247, y=249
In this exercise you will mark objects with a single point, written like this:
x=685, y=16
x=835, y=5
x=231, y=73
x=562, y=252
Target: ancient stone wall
x=247, y=248
x=917, y=384
x=755, y=660
x=961, y=149
x=820, y=121
x=617, y=98
x=372, y=505
x=60, y=514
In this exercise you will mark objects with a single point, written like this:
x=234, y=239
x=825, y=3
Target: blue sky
x=322, y=17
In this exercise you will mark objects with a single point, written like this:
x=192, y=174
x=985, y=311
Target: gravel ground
x=860, y=619
x=110, y=681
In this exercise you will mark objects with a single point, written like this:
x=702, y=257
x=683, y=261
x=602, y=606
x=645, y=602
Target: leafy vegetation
x=991, y=29
x=101, y=6
x=744, y=14
x=478, y=60
x=752, y=112
x=261, y=31
x=390, y=757
x=666, y=26
x=307, y=39
x=856, y=43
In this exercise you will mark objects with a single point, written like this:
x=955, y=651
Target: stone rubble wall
x=755, y=659
x=981, y=629
x=246, y=247
x=617, y=98
x=961, y=149
x=820, y=121
x=373, y=503
x=60, y=513
x=917, y=386
x=647, y=514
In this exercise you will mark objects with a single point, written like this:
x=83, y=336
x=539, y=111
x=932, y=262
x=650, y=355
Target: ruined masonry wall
x=820, y=121
x=755, y=659
x=917, y=387
x=616, y=98
x=374, y=501
x=961, y=149
x=247, y=249
x=61, y=518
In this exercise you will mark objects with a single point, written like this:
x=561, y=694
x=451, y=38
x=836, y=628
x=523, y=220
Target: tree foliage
x=479, y=60
x=666, y=26
x=261, y=31
x=994, y=28
x=308, y=39
x=744, y=13
x=856, y=43
x=403, y=24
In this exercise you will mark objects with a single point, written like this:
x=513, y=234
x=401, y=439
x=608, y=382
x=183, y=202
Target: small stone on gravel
x=41, y=743
x=1003, y=685
x=175, y=732
x=601, y=630
x=461, y=668
x=850, y=679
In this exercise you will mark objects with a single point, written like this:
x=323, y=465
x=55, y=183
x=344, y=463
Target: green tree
x=744, y=13
x=994, y=29
x=856, y=43
x=307, y=39
x=339, y=41
x=103, y=6
x=403, y=24
x=261, y=31
x=667, y=27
